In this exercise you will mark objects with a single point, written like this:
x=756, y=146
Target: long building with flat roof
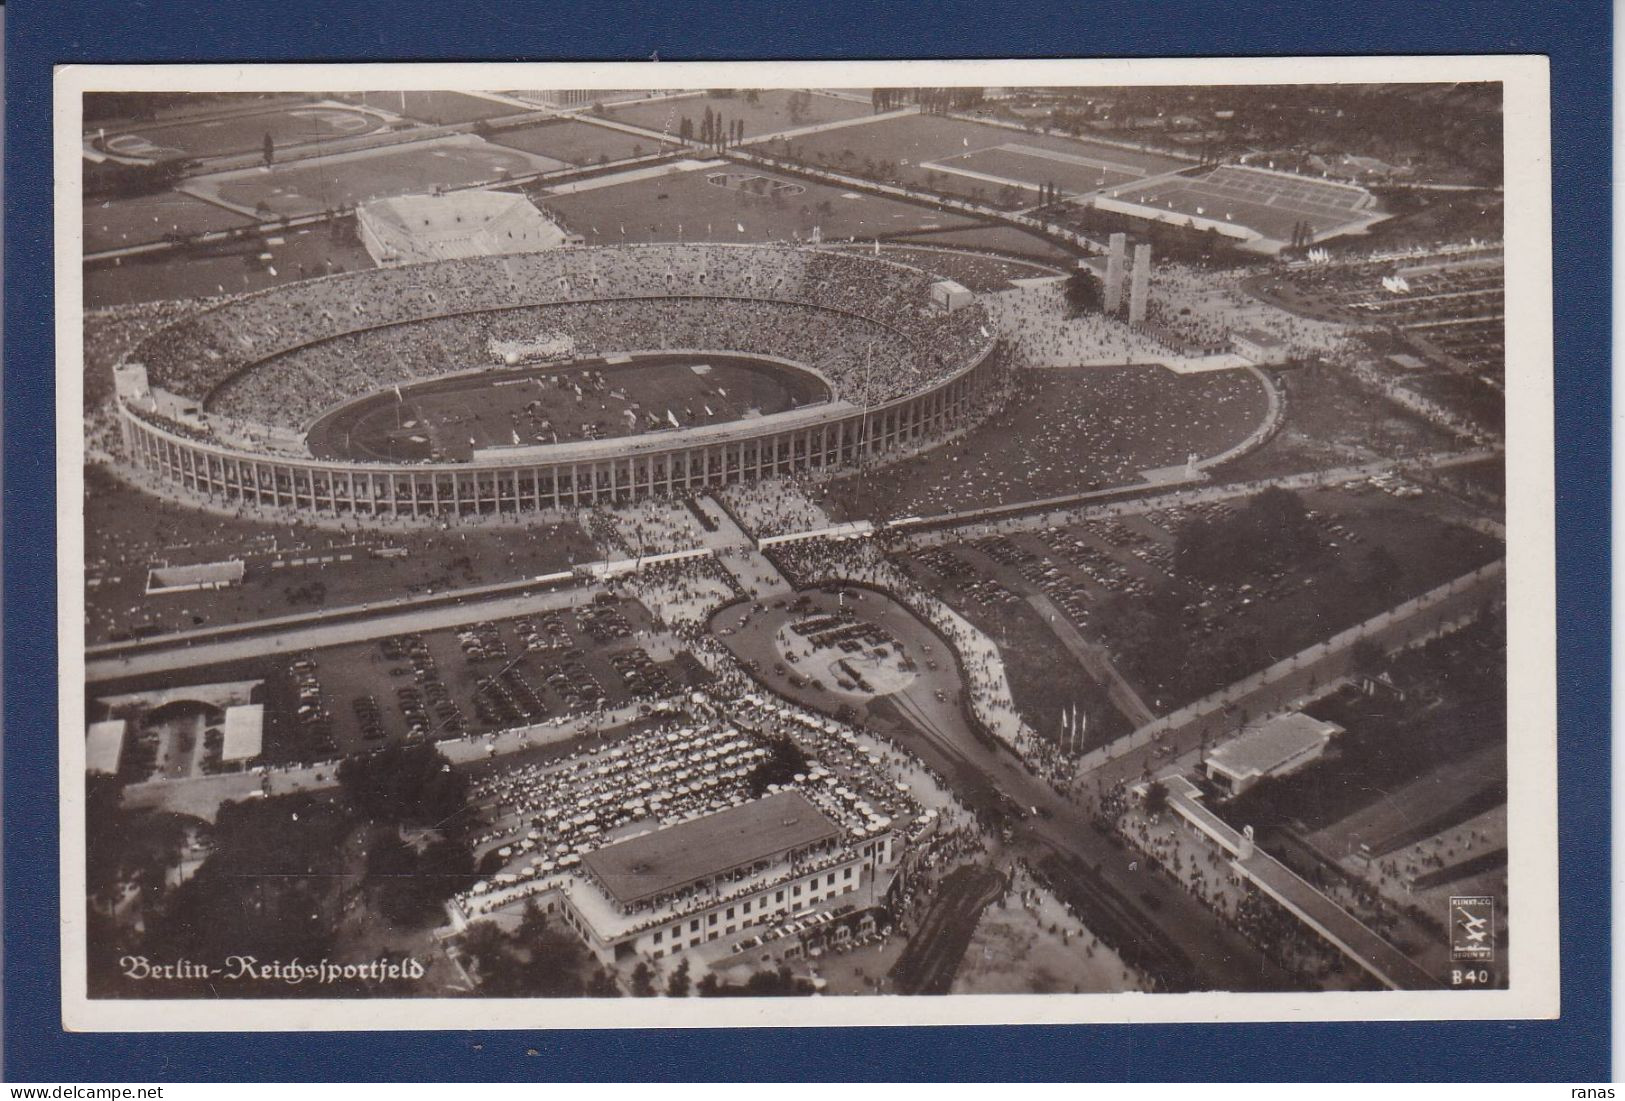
x=643, y=868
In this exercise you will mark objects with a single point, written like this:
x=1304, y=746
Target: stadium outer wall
x=569, y=475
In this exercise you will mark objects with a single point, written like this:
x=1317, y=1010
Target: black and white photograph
x=813, y=543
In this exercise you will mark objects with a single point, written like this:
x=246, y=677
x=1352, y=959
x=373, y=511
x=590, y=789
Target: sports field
x=653, y=210
x=1270, y=203
x=216, y=137
x=922, y=149
x=118, y=223
x=768, y=115
x=448, y=419
x=438, y=108
x=323, y=183
x=575, y=142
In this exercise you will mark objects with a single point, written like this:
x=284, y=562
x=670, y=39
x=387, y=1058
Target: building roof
x=104, y=743
x=666, y=860
x=1271, y=745
x=1259, y=338
x=223, y=695
x=244, y=730
x=196, y=575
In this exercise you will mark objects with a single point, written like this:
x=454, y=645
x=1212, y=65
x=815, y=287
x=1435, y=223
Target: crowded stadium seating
x=283, y=355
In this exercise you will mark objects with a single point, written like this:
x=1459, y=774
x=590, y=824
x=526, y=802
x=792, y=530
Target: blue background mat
x=1577, y=36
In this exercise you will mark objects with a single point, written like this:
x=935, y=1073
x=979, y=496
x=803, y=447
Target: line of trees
x=715, y=131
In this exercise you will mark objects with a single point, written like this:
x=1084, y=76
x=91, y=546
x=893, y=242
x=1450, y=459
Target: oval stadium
x=545, y=380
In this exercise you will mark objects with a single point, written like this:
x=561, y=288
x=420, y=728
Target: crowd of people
x=681, y=593
x=1069, y=433
x=1038, y=326
x=284, y=354
x=773, y=508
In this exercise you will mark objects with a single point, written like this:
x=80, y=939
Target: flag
x=672, y=418
x=398, y=393
x=740, y=226
x=516, y=437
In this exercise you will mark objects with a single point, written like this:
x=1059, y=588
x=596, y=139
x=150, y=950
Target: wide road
x=311, y=631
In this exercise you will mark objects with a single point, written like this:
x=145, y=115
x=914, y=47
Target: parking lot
x=492, y=675
x=1117, y=582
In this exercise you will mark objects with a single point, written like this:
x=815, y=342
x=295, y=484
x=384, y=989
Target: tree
x=269, y=149
x=408, y=785
x=412, y=884
x=783, y=762
x=1380, y=573
x=679, y=984
x=1367, y=659
x=643, y=980
x=536, y=961
x=272, y=887
x=601, y=984
x=1084, y=293
x=1156, y=797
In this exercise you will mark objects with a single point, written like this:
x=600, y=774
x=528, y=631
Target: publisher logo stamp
x=1472, y=928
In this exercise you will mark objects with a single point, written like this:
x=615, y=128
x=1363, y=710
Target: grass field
x=234, y=268
x=438, y=108
x=287, y=126
x=909, y=141
x=448, y=419
x=1072, y=429
x=769, y=114
x=653, y=209
x=575, y=142
x=998, y=238
x=324, y=183
x=118, y=223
